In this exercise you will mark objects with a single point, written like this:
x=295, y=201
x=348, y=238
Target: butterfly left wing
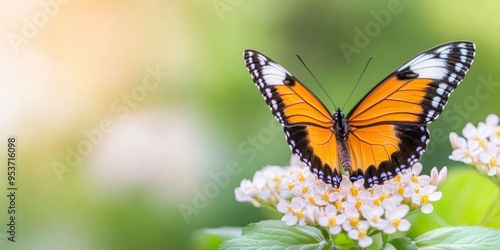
x=308, y=125
x=387, y=127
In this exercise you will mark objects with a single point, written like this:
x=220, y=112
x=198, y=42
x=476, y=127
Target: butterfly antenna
x=321, y=86
x=359, y=79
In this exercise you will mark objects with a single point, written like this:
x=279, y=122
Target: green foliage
x=459, y=238
x=403, y=243
x=275, y=234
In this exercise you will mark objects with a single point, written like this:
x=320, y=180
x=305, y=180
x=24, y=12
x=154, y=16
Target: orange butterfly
x=383, y=134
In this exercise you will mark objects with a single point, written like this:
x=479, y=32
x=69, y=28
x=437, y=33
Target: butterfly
x=383, y=134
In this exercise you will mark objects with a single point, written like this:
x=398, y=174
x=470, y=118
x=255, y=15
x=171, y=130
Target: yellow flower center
x=332, y=221
x=338, y=204
x=301, y=177
x=299, y=214
x=414, y=179
x=354, y=191
x=359, y=202
x=425, y=199
x=401, y=190
x=377, y=202
x=482, y=143
x=493, y=161
x=305, y=189
x=277, y=179
x=291, y=186
x=397, y=178
x=312, y=200
x=325, y=196
x=354, y=222
x=362, y=234
x=416, y=190
x=396, y=222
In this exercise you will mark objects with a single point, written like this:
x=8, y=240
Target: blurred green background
x=135, y=120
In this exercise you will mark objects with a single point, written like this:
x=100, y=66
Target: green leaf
x=403, y=243
x=459, y=238
x=276, y=235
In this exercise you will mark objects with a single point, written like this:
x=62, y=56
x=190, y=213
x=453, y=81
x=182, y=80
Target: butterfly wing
x=387, y=127
x=307, y=124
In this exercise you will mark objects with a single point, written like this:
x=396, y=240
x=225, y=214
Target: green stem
x=385, y=238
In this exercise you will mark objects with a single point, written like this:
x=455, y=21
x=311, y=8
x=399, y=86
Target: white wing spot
x=435, y=101
x=423, y=138
x=430, y=115
x=275, y=104
x=269, y=94
x=452, y=77
x=261, y=83
x=458, y=67
x=442, y=88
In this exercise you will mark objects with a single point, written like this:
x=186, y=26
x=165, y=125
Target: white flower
x=457, y=141
x=424, y=196
x=468, y=153
x=353, y=209
x=374, y=216
x=294, y=212
x=352, y=218
x=395, y=217
x=438, y=177
x=319, y=195
x=416, y=178
x=246, y=191
x=480, y=147
x=360, y=233
x=495, y=135
x=490, y=159
x=478, y=134
x=492, y=120
x=332, y=219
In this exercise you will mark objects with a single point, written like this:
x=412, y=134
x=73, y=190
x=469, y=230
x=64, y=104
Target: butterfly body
x=341, y=130
x=383, y=134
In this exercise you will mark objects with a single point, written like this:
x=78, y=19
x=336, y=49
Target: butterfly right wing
x=307, y=123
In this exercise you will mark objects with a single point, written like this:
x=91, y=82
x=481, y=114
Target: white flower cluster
x=351, y=209
x=479, y=147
